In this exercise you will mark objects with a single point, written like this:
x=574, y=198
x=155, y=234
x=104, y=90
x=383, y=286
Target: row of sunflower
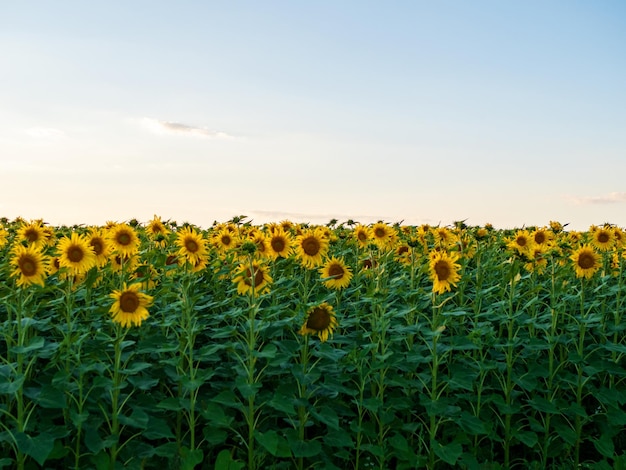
x=419, y=374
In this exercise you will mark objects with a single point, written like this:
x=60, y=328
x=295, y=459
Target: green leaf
x=138, y=419
x=605, y=445
x=527, y=437
x=225, y=461
x=136, y=367
x=38, y=447
x=471, y=424
x=34, y=344
x=216, y=416
x=449, y=453
x=327, y=416
x=158, y=429
x=10, y=387
x=190, y=458
x=306, y=448
x=273, y=443
x=51, y=397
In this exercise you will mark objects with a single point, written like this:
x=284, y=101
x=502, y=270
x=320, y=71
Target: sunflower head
x=444, y=271
x=29, y=265
x=130, y=306
x=252, y=278
x=321, y=321
x=335, y=273
x=586, y=261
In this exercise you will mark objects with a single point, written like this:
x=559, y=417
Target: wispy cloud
x=178, y=128
x=44, y=133
x=610, y=198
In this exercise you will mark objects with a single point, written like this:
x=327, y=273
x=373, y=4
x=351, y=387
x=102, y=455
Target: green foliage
x=513, y=367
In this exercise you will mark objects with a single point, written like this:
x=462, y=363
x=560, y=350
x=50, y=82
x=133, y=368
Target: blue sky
x=507, y=112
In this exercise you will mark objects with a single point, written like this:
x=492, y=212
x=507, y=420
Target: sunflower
x=586, y=261
x=321, y=321
x=3, y=237
x=444, y=271
x=444, y=236
x=521, y=242
x=603, y=238
x=130, y=306
x=192, y=246
x=76, y=254
x=124, y=239
x=383, y=235
x=30, y=265
x=262, y=243
x=253, y=279
x=311, y=248
x=101, y=246
x=225, y=239
x=543, y=237
x=538, y=262
x=157, y=232
x=280, y=243
x=363, y=235
x=618, y=235
x=33, y=234
x=335, y=273
x=404, y=254
x=126, y=263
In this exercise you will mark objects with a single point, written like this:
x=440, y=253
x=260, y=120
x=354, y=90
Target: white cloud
x=44, y=133
x=610, y=198
x=177, y=128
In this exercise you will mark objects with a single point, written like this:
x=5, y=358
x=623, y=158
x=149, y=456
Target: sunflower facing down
x=130, y=306
x=444, y=271
x=586, y=261
x=30, y=266
x=321, y=321
x=335, y=273
x=76, y=254
x=253, y=279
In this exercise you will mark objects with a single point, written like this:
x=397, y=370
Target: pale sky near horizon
x=507, y=112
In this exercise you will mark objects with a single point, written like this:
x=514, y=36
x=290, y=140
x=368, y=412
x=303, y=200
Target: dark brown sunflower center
x=336, y=271
x=278, y=244
x=586, y=261
x=311, y=246
x=129, y=302
x=124, y=238
x=171, y=259
x=362, y=236
x=226, y=240
x=403, y=249
x=191, y=245
x=540, y=237
x=521, y=241
x=442, y=269
x=28, y=265
x=319, y=319
x=258, y=277
x=31, y=235
x=380, y=232
x=603, y=237
x=97, y=245
x=75, y=254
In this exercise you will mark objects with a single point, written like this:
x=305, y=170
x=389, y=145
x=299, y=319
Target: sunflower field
x=297, y=346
